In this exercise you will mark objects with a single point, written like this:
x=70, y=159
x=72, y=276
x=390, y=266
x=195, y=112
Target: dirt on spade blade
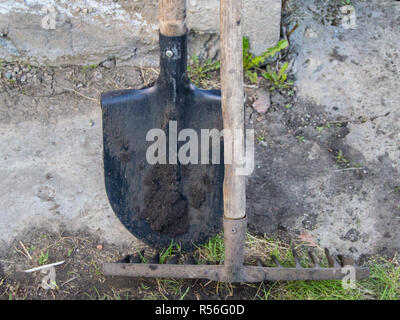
x=164, y=202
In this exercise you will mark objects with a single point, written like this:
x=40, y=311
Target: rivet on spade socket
x=234, y=230
x=169, y=53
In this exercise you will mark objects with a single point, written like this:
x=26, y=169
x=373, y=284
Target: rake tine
x=124, y=259
x=136, y=258
x=155, y=259
x=190, y=260
x=276, y=261
x=296, y=258
x=313, y=259
x=331, y=261
x=346, y=261
x=174, y=259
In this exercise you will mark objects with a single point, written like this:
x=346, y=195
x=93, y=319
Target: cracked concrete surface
x=92, y=31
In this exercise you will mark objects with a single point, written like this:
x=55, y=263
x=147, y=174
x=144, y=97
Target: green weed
x=91, y=66
x=43, y=258
x=300, y=138
x=199, y=73
x=251, y=62
x=346, y=2
x=278, y=79
x=341, y=159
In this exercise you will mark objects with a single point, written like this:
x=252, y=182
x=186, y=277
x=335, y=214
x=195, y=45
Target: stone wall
x=93, y=31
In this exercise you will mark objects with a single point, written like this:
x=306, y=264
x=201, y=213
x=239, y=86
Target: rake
x=235, y=220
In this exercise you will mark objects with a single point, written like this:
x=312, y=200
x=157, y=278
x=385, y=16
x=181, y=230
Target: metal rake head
x=234, y=270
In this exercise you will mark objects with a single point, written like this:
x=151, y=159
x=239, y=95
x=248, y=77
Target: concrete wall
x=92, y=31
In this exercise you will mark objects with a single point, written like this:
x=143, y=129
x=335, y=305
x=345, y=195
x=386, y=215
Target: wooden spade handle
x=172, y=17
x=232, y=102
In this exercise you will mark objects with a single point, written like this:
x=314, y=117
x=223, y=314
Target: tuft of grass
x=103, y=296
x=314, y=290
x=383, y=284
x=169, y=252
x=384, y=281
x=213, y=251
x=142, y=258
x=97, y=269
x=175, y=288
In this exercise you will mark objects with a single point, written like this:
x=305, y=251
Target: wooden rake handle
x=232, y=103
x=172, y=15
